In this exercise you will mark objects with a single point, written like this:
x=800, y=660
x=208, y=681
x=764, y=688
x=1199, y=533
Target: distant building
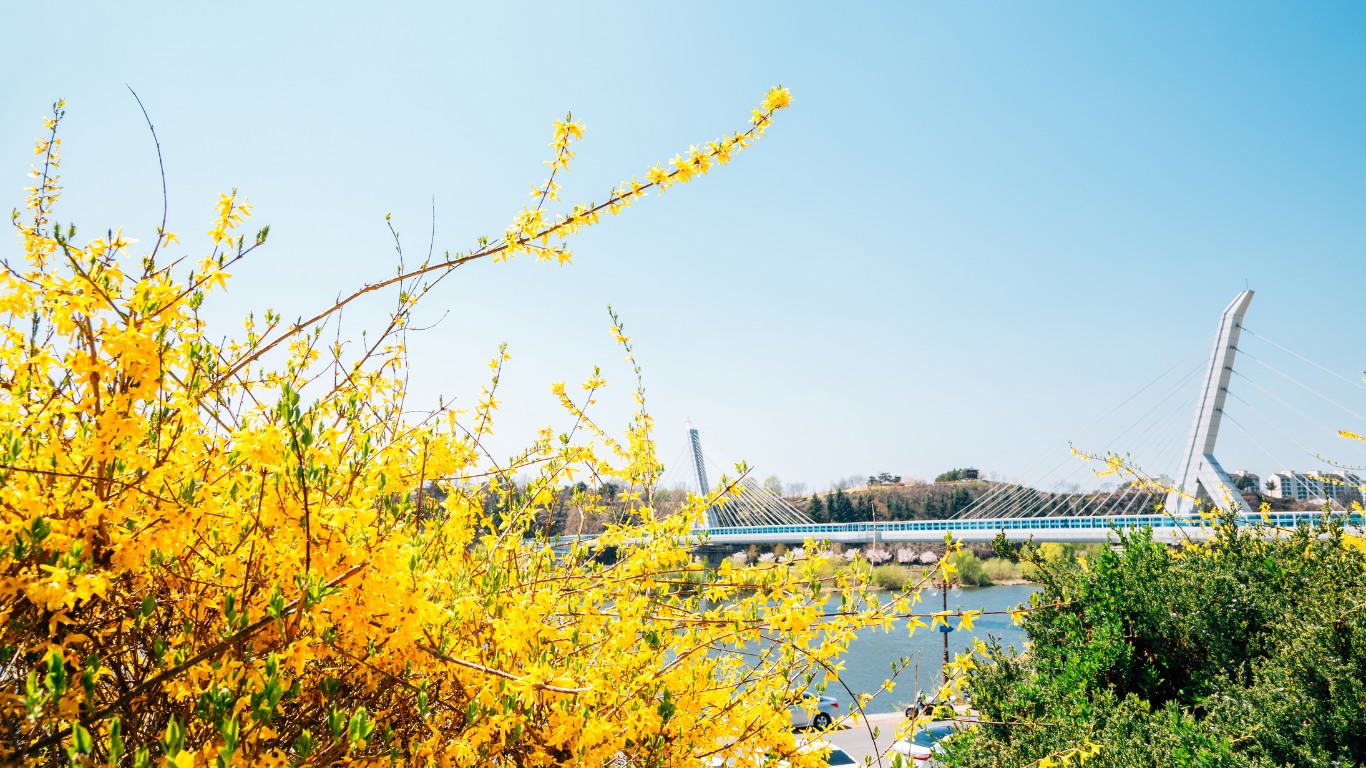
x=1241, y=474
x=1342, y=487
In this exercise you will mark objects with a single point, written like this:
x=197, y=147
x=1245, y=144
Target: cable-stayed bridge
x=757, y=515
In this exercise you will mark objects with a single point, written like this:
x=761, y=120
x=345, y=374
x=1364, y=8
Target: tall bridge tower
x=700, y=468
x=1200, y=475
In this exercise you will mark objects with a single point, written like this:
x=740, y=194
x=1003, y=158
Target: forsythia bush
x=221, y=554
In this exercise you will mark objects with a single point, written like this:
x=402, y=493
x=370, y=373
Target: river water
x=868, y=661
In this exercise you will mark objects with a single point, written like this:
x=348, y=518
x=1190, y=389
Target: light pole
x=945, y=629
x=872, y=505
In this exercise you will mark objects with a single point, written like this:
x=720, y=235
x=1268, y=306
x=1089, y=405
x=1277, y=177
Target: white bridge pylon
x=1201, y=477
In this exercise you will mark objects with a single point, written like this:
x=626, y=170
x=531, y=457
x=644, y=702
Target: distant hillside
x=921, y=501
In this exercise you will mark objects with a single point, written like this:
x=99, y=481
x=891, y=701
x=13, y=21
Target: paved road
x=859, y=740
x=870, y=737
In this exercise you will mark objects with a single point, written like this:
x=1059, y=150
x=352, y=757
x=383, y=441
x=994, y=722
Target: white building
x=1340, y=486
x=1239, y=474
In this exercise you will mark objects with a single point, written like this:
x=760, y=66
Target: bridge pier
x=713, y=554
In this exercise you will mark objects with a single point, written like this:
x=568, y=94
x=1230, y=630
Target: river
x=868, y=661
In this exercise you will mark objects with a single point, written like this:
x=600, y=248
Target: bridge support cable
x=1268, y=453
x=751, y=505
x=754, y=506
x=1092, y=502
x=1354, y=382
x=1136, y=494
x=1281, y=462
x=1102, y=504
x=1160, y=439
x=1065, y=460
x=1025, y=501
x=1020, y=501
x=773, y=501
x=674, y=474
x=1306, y=388
x=1007, y=501
x=1277, y=427
x=1155, y=437
x=1327, y=430
x=1312, y=429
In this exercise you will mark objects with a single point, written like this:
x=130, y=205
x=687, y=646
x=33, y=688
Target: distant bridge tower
x=700, y=467
x=703, y=487
x=1200, y=476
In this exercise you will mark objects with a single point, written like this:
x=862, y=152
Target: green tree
x=841, y=508
x=816, y=510
x=959, y=500
x=970, y=569
x=1247, y=650
x=773, y=485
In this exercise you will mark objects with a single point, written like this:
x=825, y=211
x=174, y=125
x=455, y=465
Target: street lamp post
x=945, y=583
x=944, y=630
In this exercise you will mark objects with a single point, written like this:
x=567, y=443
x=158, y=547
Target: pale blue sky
x=979, y=226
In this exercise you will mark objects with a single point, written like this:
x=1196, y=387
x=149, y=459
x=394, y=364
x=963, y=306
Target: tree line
x=904, y=503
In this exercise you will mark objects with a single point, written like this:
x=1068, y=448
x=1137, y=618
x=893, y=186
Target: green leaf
x=303, y=745
x=55, y=679
x=666, y=706
x=336, y=722
x=360, y=727
x=174, y=739
x=81, y=743
x=115, y=747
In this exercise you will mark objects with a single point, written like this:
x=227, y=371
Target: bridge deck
x=986, y=529
x=1061, y=529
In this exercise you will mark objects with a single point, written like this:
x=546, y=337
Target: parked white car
x=835, y=756
x=811, y=711
x=925, y=746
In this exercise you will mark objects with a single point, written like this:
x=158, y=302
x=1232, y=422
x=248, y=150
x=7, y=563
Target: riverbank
x=894, y=570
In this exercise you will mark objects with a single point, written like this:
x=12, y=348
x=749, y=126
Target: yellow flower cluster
x=532, y=233
x=251, y=553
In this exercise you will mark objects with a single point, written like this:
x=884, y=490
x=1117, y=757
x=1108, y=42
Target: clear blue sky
x=978, y=227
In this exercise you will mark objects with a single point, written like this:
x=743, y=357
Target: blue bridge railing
x=1094, y=528
x=823, y=530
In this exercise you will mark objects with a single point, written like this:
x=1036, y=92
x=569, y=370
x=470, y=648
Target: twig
x=207, y=653
x=496, y=672
x=161, y=166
